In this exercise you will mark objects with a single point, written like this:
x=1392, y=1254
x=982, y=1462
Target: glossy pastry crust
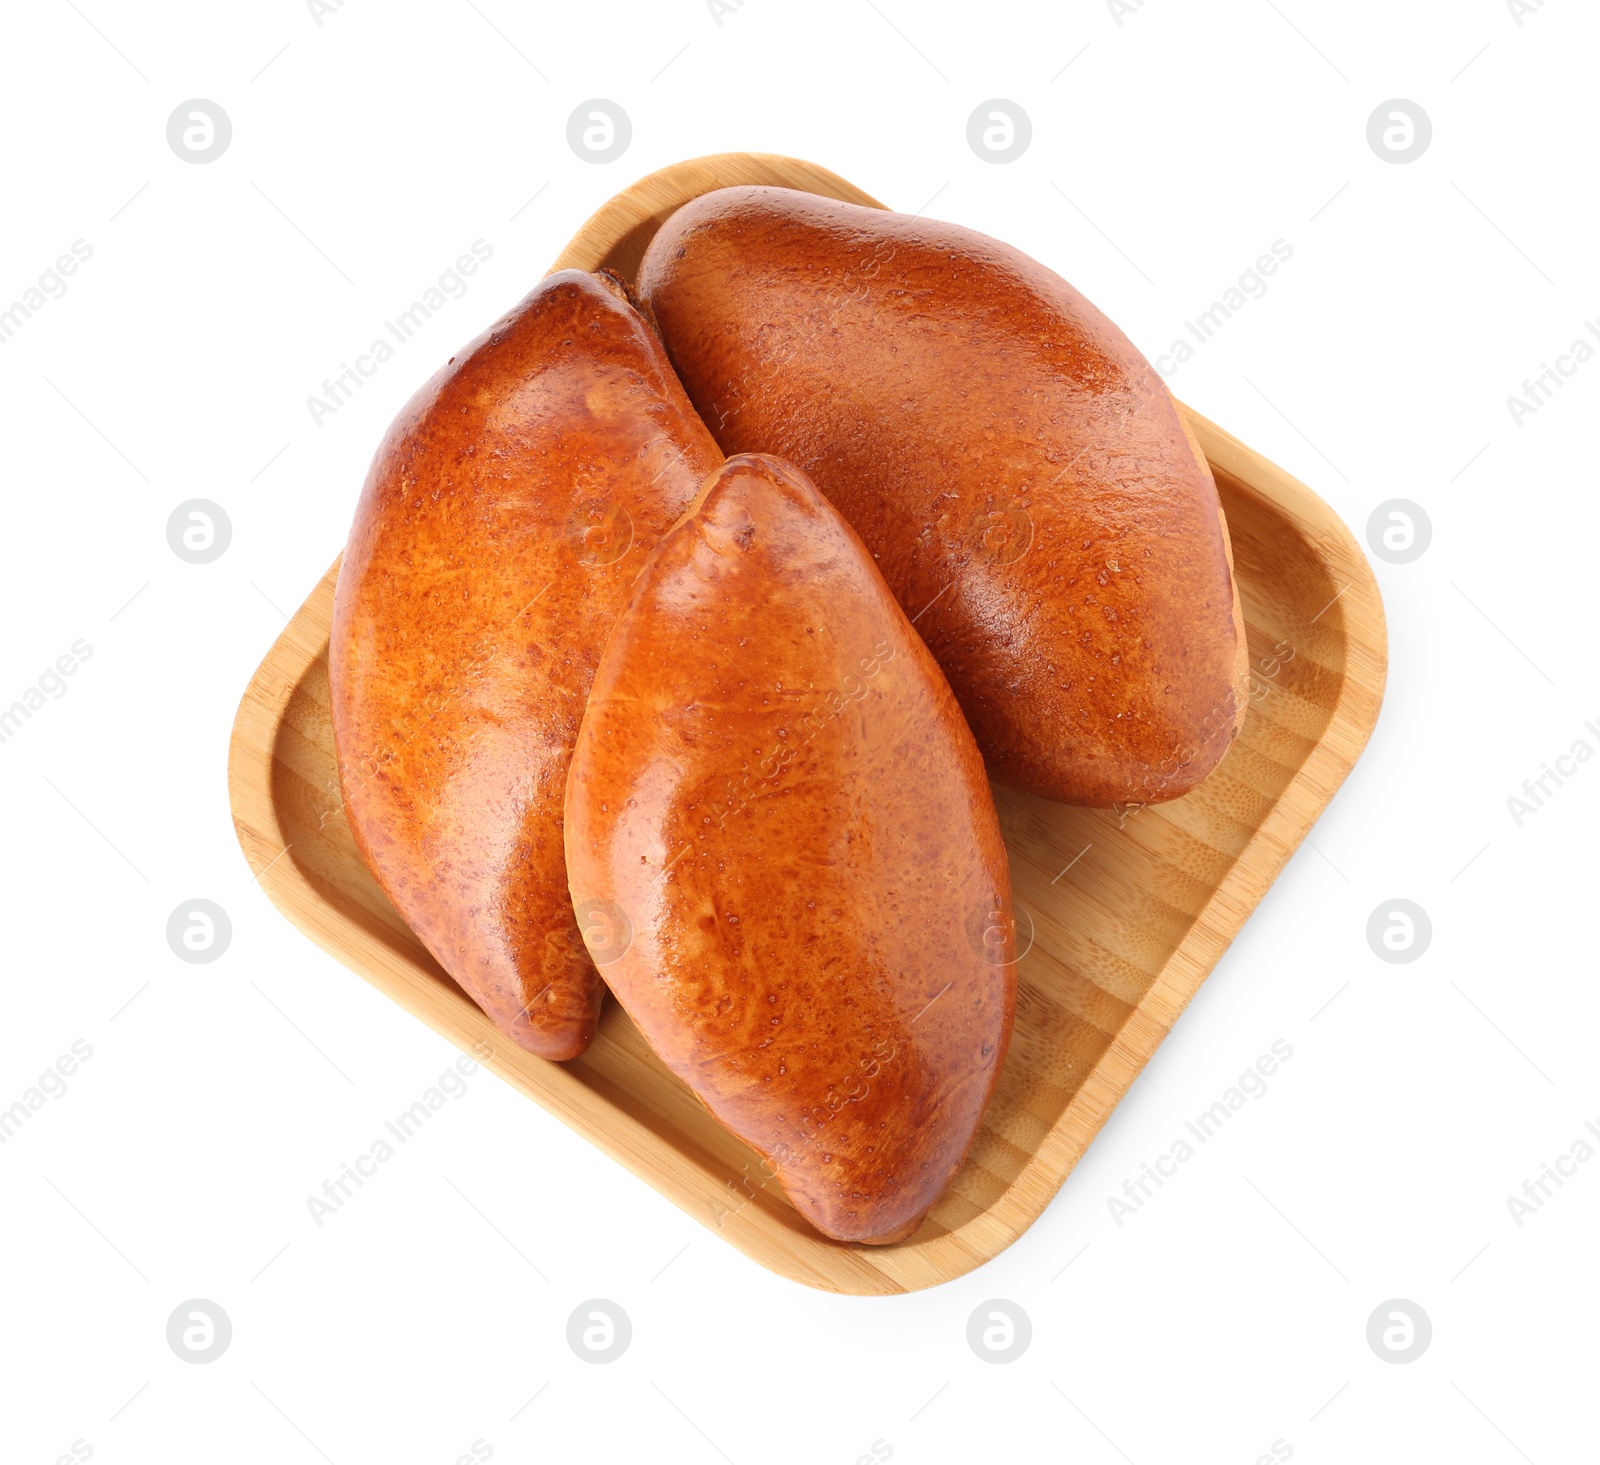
x=785, y=855
x=500, y=528
x=1017, y=469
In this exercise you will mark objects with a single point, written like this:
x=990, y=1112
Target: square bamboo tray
x=1129, y=910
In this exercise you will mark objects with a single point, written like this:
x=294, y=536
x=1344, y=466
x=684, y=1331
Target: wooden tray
x=1128, y=910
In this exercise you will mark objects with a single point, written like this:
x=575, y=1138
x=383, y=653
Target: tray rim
x=792, y=1250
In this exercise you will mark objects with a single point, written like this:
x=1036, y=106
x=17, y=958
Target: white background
x=1230, y=1312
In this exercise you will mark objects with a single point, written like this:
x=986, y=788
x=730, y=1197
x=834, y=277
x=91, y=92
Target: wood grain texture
x=1129, y=909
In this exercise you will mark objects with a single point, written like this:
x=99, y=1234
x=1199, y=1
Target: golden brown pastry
x=1018, y=471
x=779, y=827
x=502, y=522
